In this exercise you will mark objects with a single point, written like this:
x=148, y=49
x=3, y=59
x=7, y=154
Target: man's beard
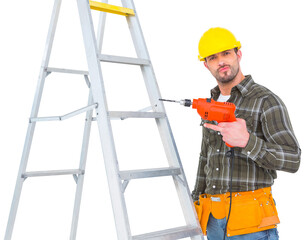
x=226, y=78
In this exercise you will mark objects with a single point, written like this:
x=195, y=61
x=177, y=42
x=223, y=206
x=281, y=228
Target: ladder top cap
x=104, y=7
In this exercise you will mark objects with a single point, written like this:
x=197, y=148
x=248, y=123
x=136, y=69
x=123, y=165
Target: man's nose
x=221, y=61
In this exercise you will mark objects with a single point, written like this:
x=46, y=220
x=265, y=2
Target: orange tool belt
x=251, y=211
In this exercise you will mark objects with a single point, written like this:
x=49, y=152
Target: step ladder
x=117, y=179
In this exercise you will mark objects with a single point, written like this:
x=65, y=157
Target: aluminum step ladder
x=117, y=179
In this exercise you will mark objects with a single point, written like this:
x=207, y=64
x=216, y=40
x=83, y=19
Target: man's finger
x=213, y=127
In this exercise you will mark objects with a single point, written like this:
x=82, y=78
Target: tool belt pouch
x=251, y=213
x=203, y=209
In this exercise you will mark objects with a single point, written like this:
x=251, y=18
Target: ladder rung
x=66, y=116
x=124, y=60
x=104, y=7
x=173, y=233
x=52, y=173
x=63, y=70
x=122, y=115
x=149, y=173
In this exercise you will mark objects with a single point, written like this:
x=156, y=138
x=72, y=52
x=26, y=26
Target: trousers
x=216, y=227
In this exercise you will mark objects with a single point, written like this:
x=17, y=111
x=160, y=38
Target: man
x=263, y=141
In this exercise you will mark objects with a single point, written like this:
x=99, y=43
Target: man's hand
x=233, y=133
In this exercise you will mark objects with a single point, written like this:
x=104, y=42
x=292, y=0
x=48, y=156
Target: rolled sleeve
x=279, y=150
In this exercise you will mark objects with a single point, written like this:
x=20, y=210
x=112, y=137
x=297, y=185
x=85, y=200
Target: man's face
x=224, y=66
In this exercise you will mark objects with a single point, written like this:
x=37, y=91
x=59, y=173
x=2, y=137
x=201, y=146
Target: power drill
x=209, y=109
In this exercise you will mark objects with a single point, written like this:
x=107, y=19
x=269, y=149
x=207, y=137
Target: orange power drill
x=208, y=109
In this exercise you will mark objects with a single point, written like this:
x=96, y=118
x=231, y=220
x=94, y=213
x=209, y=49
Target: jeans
x=216, y=227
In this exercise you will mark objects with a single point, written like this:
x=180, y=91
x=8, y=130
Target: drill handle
x=229, y=145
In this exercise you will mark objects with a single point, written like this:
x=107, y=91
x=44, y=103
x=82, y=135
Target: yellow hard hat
x=216, y=40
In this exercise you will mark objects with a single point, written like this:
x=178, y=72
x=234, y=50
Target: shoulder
x=264, y=94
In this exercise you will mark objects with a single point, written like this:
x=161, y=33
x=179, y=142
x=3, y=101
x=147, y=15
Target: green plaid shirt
x=272, y=145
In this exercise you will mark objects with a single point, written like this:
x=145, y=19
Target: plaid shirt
x=272, y=144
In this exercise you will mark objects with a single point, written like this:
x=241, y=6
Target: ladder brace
x=75, y=177
x=66, y=116
x=128, y=114
x=63, y=70
x=124, y=185
x=180, y=180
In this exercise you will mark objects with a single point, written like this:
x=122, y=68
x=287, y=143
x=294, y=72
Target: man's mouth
x=223, y=69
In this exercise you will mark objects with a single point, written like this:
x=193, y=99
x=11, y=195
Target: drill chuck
x=186, y=102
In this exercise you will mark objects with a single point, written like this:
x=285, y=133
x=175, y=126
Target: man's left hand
x=233, y=133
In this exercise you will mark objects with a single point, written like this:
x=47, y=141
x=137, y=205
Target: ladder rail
x=86, y=135
x=34, y=113
x=164, y=128
x=101, y=29
x=103, y=122
x=162, y=123
x=82, y=166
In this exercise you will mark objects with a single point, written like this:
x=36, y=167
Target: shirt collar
x=243, y=87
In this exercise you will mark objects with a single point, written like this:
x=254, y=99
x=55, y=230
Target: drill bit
x=184, y=102
x=166, y=100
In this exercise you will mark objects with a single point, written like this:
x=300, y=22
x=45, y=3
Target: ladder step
x=122, y=114
x=63, y=70
x=173, y=233
x=66, y=116
x=104, y=7
x=124, y=60
x=149, y=173
x=52, y=173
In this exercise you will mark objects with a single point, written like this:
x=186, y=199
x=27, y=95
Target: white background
x=272, y=37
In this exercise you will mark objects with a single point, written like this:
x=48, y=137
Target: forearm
x=273, y=156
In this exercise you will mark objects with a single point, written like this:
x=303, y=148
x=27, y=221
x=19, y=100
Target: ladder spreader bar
x=66, y=116
x=104, y=7
x=123, y=60
x=149, y=173
x=52, y=173
x=173, y=233
x=63, y=70
x=123, y=115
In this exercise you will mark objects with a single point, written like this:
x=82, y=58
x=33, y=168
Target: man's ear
x=205, y=64
x=239, y=55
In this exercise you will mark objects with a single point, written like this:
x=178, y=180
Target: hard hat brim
x=237, y=45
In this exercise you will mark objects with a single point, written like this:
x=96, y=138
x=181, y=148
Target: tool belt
x=251, y=211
